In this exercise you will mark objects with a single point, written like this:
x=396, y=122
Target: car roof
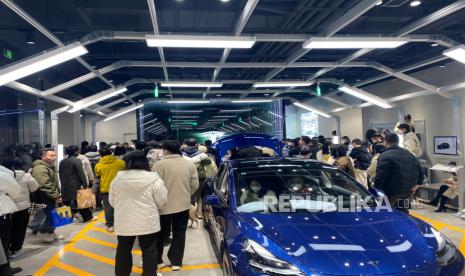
x=274, y=161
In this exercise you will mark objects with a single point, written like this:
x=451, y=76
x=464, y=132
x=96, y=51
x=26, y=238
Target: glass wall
x=19, y=120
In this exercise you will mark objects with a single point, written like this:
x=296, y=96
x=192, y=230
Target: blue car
x=270, y=216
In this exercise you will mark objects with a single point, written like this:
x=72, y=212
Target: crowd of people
x=146, y=190
x=377, y=162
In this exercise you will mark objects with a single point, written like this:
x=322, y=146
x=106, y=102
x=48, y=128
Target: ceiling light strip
x=191, y=41
x=97, y=98
x=313, y=109
x=122, y=112
x=354, y=42
x=361, y=94
x=191, y=84
x=151, y=121
x=260, y=120
x=282, y=84
x=41, y=62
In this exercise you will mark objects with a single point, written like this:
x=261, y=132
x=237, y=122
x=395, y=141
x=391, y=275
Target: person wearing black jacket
x=398, y=174
x=360, y=154
x=72, y=179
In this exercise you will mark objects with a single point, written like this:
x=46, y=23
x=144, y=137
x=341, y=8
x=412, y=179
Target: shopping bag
x=85, y=199
x=62, y=216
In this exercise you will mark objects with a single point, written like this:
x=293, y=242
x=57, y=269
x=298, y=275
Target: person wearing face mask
x=255, y=192
x=297, y=186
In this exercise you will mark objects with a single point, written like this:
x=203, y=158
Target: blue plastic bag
x=62, y=216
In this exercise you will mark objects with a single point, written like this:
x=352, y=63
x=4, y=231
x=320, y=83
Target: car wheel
x=226, y=264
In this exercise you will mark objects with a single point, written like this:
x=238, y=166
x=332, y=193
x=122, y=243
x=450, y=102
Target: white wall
x=351, y=123
x=114, y=130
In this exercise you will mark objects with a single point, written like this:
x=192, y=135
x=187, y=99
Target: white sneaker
x=175, y=268
x=47, y=238
x=57, y=237
x=93, y=219
x=161, y=265
x=110, y=229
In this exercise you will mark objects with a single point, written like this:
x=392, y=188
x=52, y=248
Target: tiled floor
x=89, y=249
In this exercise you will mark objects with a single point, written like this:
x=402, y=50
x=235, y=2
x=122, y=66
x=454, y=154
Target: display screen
x=445, y=145
x=309, y=124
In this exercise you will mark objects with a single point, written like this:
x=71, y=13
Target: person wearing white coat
x=137, y=194
x=20, y=218
x=8, y=189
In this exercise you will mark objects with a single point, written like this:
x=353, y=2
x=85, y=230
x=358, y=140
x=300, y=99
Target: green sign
x=318, y=90
x=155, y=91
x=8, y=54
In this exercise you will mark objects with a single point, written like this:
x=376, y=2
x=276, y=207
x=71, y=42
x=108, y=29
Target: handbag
x=61, y=216
x=37, y=202
x=36, y=208
x=85, y=199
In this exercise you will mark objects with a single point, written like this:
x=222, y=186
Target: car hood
x=352, y=243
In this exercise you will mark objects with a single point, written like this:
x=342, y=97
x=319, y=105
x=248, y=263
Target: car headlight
x=446, y=252
x=263, y=260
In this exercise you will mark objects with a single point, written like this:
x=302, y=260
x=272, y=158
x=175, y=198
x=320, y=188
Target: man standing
x=106, y=169
x=398, y=173
x=44, y=172
x=181, y=181
x=73, y=178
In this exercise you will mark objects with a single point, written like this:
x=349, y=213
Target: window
x=311, y=185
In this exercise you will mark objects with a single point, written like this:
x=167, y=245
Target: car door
x=218, y=213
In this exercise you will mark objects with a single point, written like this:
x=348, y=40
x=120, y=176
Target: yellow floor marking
x=99, y=258
x=102, y=230
x=53, y=260
x=462, y=246
x=135, y=269
x=439, y=225
x=107, y=244
x=72, y=269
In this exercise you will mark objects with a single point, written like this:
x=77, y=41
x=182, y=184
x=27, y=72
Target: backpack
x=201, y=169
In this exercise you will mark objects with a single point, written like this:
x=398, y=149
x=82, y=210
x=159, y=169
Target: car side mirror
x=212, y=200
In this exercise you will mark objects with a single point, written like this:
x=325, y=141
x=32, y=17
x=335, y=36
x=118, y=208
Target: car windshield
x=296, y=187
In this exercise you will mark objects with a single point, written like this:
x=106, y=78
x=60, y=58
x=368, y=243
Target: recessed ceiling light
x=224, y=1
x=358, y=80
x=442, y=66
x=341, y=79
x=30, y=39
x=434, y=45
x=415, y=3
x=126, y=102
x=379, y=2
x=218, y=95
x=266, y=95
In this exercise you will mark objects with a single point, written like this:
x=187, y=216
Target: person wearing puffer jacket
x=8, y=189
x=20, y=218
x=137, y=194
x=206, y=167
